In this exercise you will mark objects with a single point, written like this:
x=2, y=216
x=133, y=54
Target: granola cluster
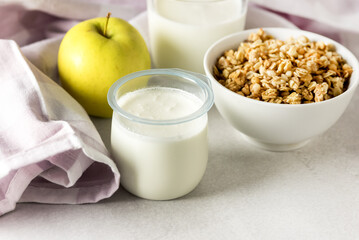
x=291, y=72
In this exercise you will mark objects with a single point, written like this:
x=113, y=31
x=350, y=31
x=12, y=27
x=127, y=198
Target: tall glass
x=163, y=156
x=182, y=30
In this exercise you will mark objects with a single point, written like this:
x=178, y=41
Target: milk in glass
x=181, y=31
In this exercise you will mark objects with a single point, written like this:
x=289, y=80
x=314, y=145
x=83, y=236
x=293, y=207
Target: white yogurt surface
x=160, y=161
x=159, y=103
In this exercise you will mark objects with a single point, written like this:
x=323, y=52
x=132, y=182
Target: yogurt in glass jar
x=159, y=131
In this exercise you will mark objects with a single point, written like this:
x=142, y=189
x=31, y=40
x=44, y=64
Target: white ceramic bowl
x=278, y=127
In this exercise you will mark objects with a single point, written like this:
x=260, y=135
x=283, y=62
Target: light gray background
x=246, y=193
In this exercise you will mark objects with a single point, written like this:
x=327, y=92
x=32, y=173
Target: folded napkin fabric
x=50, y=151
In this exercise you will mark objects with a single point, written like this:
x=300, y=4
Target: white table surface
x=246, y=193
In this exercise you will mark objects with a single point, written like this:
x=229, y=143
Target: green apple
x=94, y=54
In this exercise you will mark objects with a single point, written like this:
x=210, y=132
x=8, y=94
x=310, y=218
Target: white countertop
x=246, y=193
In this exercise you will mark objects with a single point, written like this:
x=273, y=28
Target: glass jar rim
x=200, y=80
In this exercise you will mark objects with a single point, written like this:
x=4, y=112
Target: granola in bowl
x=294, y=71
x=306, y=69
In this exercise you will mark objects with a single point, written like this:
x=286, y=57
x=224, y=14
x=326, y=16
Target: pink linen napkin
x=50, y=151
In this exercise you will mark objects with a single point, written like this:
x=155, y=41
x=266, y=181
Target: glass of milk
x=182, y=30
x=159, y=131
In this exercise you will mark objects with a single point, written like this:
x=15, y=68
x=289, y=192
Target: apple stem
x=105, y=28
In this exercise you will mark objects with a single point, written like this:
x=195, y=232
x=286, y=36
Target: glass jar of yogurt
x=159, y=131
